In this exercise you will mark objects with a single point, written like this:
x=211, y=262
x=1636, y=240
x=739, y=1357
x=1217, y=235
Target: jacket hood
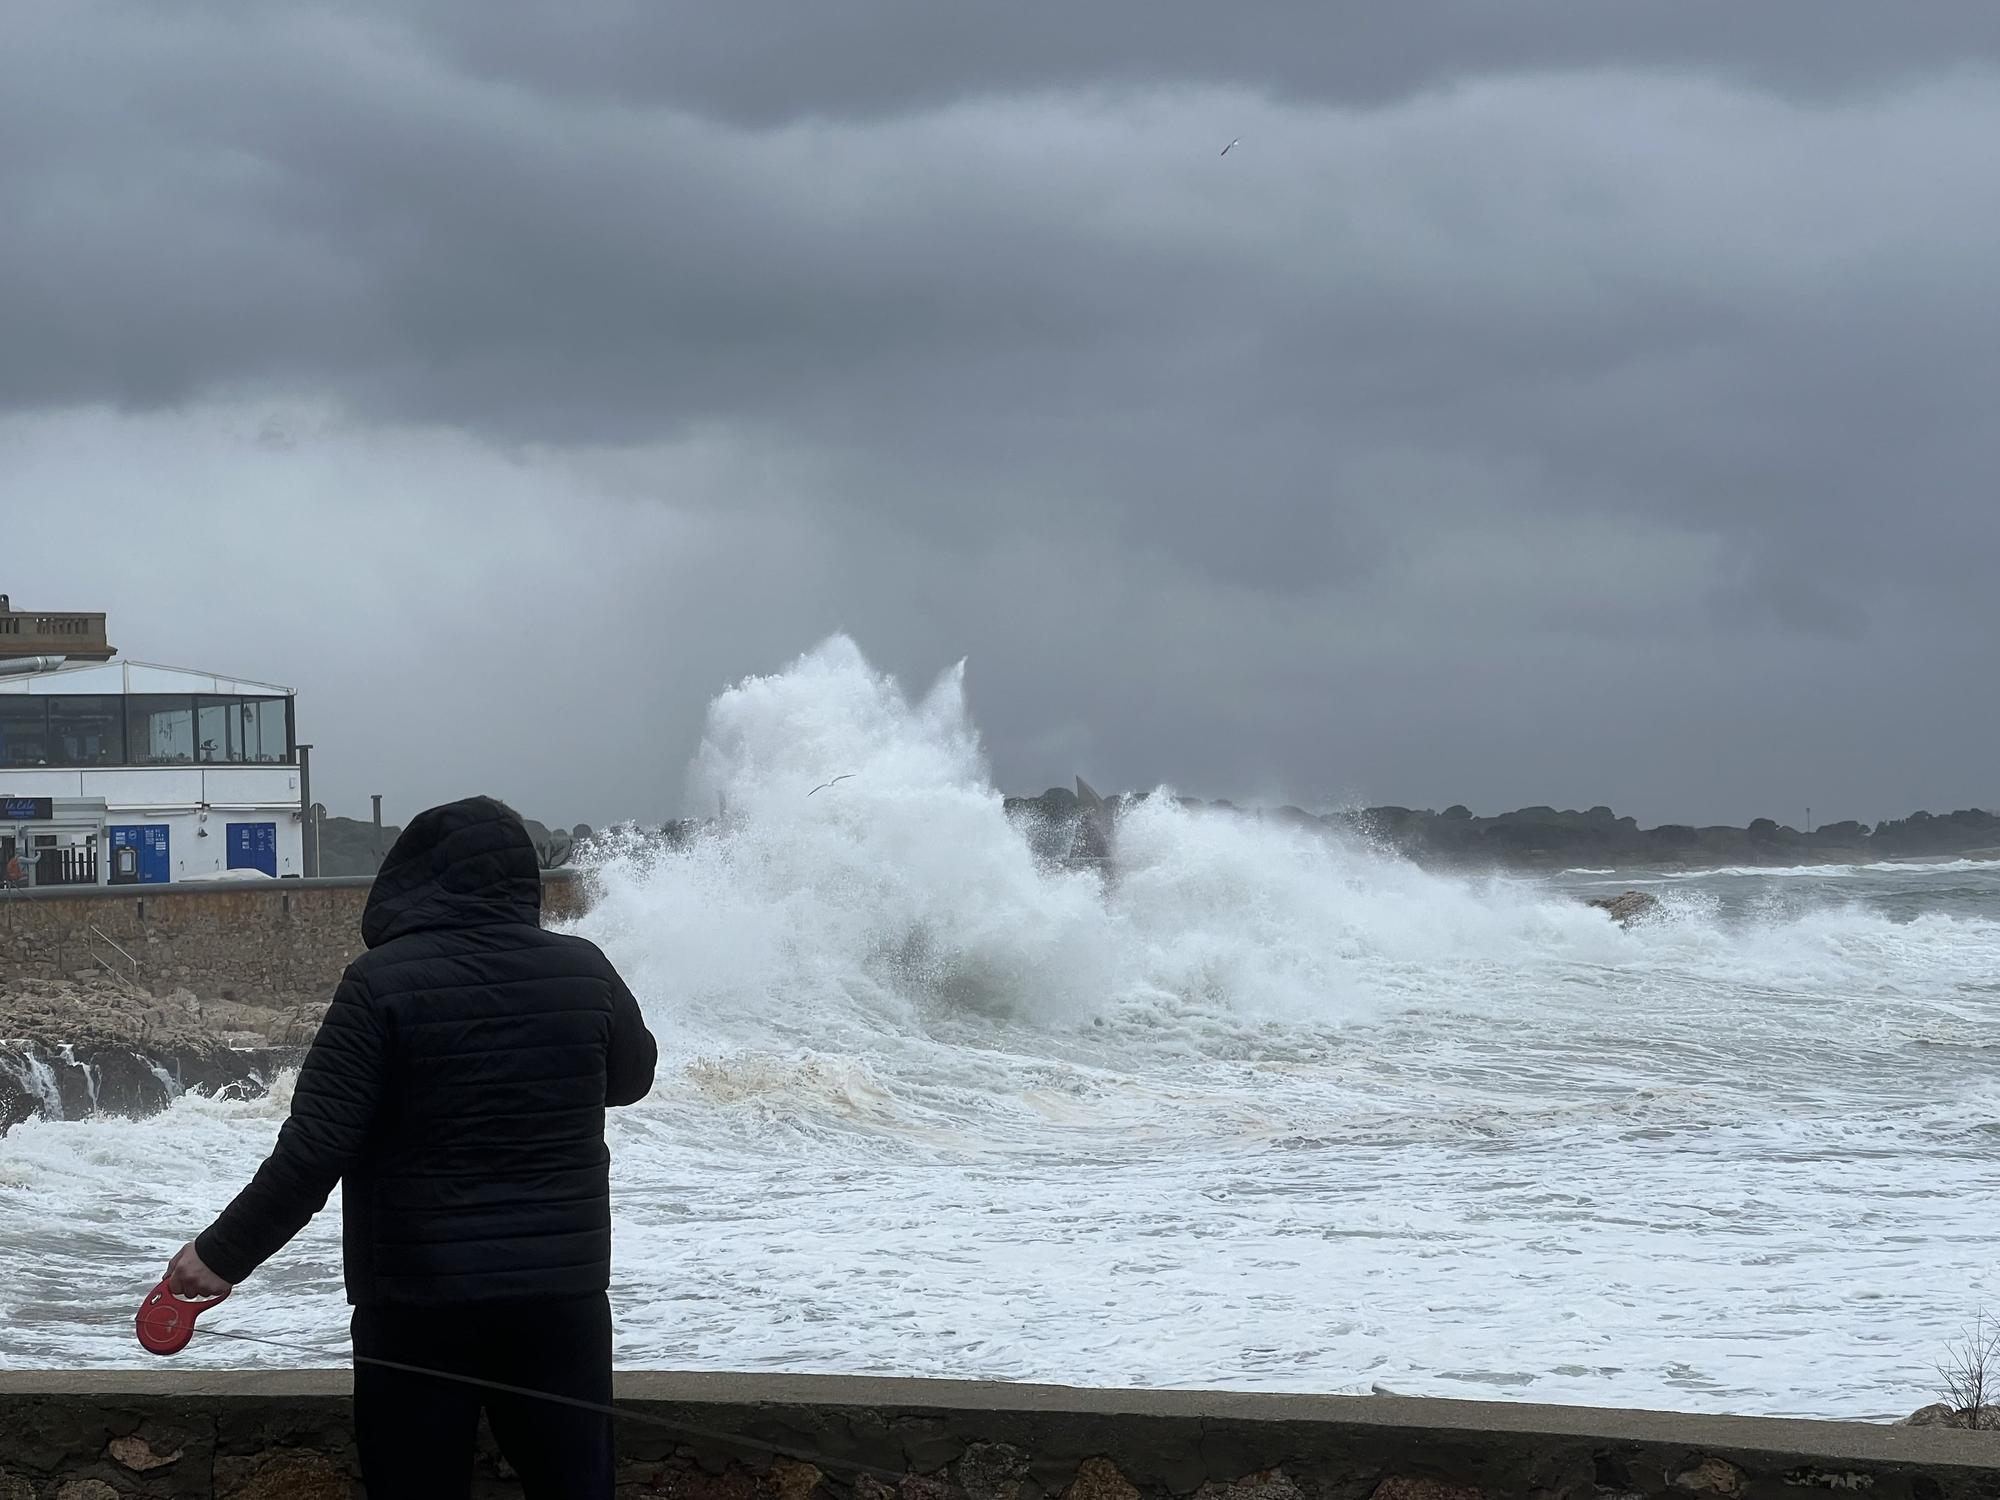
x=466, y=864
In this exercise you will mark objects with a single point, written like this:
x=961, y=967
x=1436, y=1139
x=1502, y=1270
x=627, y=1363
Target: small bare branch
x=1969, y=1374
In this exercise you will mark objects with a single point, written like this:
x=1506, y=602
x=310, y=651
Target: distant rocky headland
x=355, y=846
x=1075, y=825
x=1078, y=825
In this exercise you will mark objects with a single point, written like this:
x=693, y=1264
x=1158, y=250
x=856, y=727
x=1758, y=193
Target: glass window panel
x=262, y=722
x=24, y=730
x=159, y=729
x=276, y=714
x=86, y=730
x=217, y=732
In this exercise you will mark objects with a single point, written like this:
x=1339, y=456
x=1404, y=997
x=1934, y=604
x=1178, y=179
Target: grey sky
x=1546, y=402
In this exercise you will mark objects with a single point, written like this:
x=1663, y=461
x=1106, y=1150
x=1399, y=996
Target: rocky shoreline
x=1079, y=827
x=70, y=1050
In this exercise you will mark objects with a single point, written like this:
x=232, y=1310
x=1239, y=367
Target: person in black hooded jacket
x=456, y=1090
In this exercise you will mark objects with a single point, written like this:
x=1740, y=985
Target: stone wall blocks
x=140, y=1456
x=1401, y=1487
x=790, y=1479
x=1710, y=1476
x=1262, y=1484
x=282, y=1475
x=992, y=1471
x=928, y=1444
x=697, y=1484
x=1100, y=1479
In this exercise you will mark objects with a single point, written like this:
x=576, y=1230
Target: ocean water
x=1266, y=1111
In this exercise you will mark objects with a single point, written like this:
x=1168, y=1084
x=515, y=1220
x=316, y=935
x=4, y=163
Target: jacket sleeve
x=334, y=1105
x=629, y=1064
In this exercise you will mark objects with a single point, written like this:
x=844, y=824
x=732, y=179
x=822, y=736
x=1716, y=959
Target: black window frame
x=132, y=706
x=223, y=704
x=149, y=703
x=13, y=701
x=287, y=751
x=120, y=729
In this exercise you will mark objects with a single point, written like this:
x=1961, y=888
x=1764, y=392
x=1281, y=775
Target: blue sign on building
x=254, y=846
x=150, y=859
x=25, y=810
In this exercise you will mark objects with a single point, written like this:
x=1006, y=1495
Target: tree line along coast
x=1072, y=825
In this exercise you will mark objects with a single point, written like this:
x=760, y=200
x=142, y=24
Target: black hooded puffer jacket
x=456, y=1088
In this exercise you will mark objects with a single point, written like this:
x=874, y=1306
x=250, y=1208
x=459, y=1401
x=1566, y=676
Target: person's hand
x=189, y=1276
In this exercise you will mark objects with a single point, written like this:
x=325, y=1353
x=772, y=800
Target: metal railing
x=129, y=974
x=70, y=865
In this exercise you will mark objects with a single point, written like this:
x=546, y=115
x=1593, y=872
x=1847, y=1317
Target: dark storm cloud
x=768, y=62
x=1646, y=342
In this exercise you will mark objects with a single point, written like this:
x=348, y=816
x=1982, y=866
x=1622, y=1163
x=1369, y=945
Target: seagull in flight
x=835, y=782
x=1232, y=145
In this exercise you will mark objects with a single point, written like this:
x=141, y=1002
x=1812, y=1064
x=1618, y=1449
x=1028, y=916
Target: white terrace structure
x=124, y=772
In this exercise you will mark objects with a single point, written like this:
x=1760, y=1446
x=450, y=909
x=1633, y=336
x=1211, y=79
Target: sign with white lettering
x=253, y=846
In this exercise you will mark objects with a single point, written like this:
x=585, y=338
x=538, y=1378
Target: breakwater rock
x=73, y=1049
x=1627, y=907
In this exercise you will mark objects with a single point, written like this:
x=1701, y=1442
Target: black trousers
x=416, y=1432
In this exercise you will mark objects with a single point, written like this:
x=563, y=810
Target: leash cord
x=645, y=1419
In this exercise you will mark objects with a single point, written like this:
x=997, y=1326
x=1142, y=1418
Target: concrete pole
x=377, y=799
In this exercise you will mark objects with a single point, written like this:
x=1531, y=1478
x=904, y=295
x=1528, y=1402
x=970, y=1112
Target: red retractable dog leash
x=166, y=1319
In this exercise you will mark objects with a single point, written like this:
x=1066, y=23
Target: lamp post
x=308, y=825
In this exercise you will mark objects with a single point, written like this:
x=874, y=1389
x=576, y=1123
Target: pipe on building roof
x=18, y=666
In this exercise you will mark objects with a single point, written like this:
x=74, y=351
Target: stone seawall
x=113, y=1001
x=272, y=938
x=259, y=1436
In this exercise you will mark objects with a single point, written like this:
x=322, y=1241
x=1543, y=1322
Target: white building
x=121, y=772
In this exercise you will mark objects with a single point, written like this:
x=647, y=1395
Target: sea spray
x=899, y=893
x=904, y=896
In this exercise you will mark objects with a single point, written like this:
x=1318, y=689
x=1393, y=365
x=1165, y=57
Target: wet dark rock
x=1627, y=907
x=15, y=1104
x=1065, y=828
x=73, y=1050
x=80, y=1083
x=1938, y=1414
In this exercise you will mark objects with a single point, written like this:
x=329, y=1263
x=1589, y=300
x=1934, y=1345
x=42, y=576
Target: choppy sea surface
x=1265, y=1111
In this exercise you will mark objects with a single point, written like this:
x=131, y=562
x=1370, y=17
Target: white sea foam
x=35, y=1078
x=89, y=1071
x=1913, y=869
x=1265, y=1111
